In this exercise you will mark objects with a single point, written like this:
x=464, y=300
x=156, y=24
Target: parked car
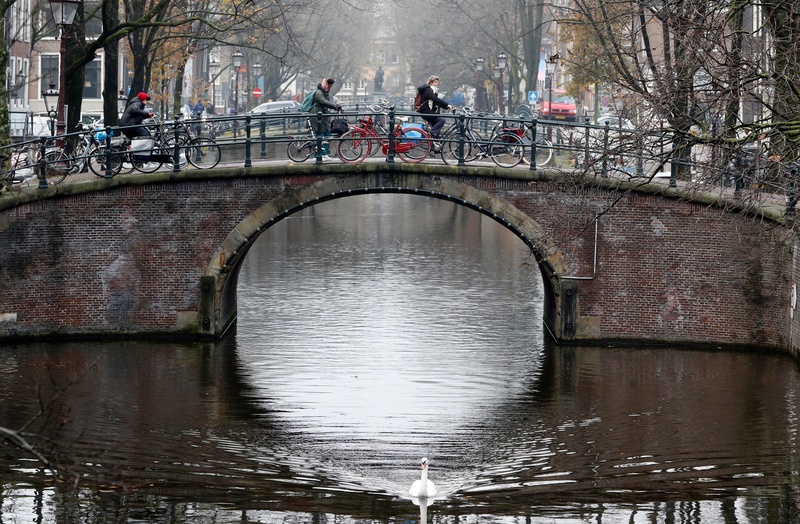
x=564, y=106
x=616, y=122
x=282, y=107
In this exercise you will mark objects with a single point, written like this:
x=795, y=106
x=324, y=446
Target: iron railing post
x=533, y=166
x=604, y=168
x=390, y=155
x=42, y=163
x=176, y=148
x=262, y=129
x=247, y=140
x=108, y=153
x=462, y=131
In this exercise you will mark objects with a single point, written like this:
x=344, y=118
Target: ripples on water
x=375, y=330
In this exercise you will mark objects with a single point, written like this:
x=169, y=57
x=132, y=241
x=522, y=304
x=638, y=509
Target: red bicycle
x=411, y=142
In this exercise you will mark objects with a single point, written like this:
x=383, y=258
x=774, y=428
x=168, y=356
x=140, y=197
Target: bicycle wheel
x=97, y=161
x=203, y=153
x=507, y=149
x=450, y=147
x=146, y=167
x=374, y=143
x=352, y=147
x=58, y=165
x=544, y=152
x=412, y=144
x=299, y=150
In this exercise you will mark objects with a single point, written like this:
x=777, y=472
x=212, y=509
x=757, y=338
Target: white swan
x=423, y=488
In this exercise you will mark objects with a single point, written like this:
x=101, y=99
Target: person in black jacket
x=134, y=115
x=322, y=104
x=431, y=105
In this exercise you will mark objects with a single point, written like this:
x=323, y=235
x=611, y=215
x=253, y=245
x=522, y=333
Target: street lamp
x=478, y=69
x=236, y=56
x=257, y=68
x=64, y=12
x=213, y=71
x=13, y=87
x=552, y=64
x=50, y=97
x=502, y=61
x=122, y=101
x=256, y=75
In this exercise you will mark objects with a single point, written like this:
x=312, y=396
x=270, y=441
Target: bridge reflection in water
x=374, y=330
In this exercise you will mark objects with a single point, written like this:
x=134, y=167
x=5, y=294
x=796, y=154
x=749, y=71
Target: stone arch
x=220, y=280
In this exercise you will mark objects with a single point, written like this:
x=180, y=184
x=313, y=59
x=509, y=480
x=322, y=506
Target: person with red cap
x=134, y=115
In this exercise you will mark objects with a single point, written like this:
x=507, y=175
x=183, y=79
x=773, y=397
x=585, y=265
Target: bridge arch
x=218, y=301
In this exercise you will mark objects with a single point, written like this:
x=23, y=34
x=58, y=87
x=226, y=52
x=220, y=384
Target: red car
x=564, y=107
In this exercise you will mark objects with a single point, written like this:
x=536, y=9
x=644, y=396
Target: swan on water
x=423, y=488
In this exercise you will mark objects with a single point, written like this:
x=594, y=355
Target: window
x=94, y=25
x=91, y=79
x=17, y=78
x=49, y=70
x=19, y=22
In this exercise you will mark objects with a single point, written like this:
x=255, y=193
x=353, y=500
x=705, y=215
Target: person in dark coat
x=134, y=115
x=323, y=104
x=431, y=105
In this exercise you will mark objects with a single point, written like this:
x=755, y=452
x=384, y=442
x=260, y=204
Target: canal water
x=373, y=331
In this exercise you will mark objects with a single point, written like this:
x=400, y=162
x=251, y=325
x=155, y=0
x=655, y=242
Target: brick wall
x=128, y=259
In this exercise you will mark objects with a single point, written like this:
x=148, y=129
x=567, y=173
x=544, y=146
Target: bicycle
x=22, y=166
x=200, y=152
x=412, y=143
x=544, y=147
x=506, y=146
x=300, y=149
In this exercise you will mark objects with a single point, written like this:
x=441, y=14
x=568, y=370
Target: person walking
x=134, y=115
x=323, y=104
x=430, y=107
x=198, y=109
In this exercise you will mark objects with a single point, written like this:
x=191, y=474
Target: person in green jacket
x=323, y=104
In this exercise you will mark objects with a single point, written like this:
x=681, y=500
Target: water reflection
x=373, y=332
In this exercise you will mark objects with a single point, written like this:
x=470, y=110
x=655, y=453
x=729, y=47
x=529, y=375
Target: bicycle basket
x=142, y=149
x=100, y=135
x=411, y=133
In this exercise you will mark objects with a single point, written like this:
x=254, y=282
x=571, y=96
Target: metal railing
x=604, y=151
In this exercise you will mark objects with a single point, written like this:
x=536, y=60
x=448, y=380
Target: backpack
x=417, y=101
x=308, y=101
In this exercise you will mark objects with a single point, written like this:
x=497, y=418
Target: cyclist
x=431, y=104
x=134, y=115
x=322, y=103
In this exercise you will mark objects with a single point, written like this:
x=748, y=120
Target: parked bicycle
x=22, y=164
x=412, y=143
x=507, y=145
x=200, y=152
x=301, y=148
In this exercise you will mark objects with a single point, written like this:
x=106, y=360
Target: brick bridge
x=622, y=263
